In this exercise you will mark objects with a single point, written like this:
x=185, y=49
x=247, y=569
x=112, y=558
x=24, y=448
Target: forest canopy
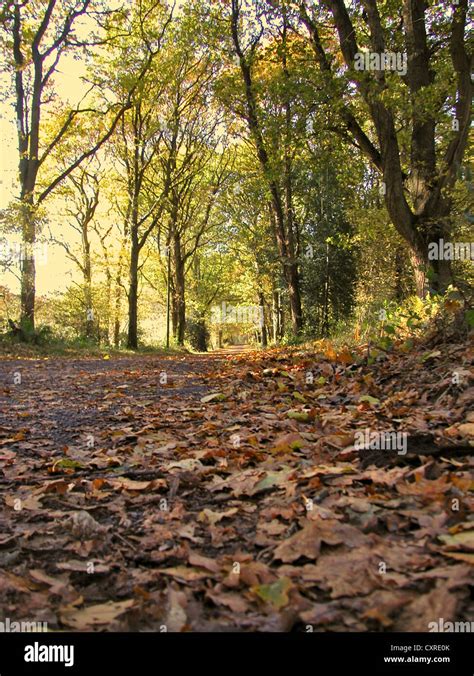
x=240, y=171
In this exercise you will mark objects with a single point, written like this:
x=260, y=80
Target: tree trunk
x=292, y=277
x=430, y=275
x=325, y=308
x=118, y=303
x=132, y=339
x=181, y=306
x=88, y=286
x=275, y=316
x=28, y=270
x=263, y=326
x=108, y=287
x=179, y=291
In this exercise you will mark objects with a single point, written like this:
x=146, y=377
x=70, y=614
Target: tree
x=36, y=37
x=81, y=202
x=283, y=221
x=410, y=140
x=140, y=135
x=193, y=164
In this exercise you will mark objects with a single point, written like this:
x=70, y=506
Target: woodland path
x=223, y=492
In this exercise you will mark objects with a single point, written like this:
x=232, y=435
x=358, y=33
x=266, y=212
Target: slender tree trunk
x=28, y=269
x=263, y=327
x=179, y=291
x=290, y=266
x=132, y=339
x=276, y=315
x=292, y=277
x=118, y=304
x=325, y=308
x=290, y=229
x=108, y=287
x=88, y=286
x=181, y=304
x=399, y=269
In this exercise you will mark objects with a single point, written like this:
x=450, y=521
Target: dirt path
x=61, y=401
x=223, y=492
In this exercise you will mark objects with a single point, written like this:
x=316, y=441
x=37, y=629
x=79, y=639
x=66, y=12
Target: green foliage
x=197, y=334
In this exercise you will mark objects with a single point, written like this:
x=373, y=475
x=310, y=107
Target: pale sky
x=59, y=271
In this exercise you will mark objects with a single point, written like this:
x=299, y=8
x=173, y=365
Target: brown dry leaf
x=102, y=614
x=59, y=486
x=209, y=516
x=229, y=599
x=203, y=562
x=321, y=614
x=30, y=502
x=176, y=617
x=383, y=606
x=348, y=574
x=41, y=576
x=385, y=477
x=327, y=470
x=130, y=485
x=186, y=573
x=254, y=573
x=78, y=566
x=307, y=542
x=427, y=608
x=241, y=483
x=463, y=540
x=428, y=489
x=16, y=582
x=286, y=443
x=467, y=429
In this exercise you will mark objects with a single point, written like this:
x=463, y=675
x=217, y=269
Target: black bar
x=186, y=653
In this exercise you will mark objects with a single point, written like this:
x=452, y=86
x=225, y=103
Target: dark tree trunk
x=179, y=291
x=132, y=339
x=263, y=326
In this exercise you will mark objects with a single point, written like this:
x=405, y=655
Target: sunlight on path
x=234, y=349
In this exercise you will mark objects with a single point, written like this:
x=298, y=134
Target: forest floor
x=230, y=492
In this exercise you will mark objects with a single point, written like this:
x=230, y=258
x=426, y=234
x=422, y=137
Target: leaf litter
x=238, y=499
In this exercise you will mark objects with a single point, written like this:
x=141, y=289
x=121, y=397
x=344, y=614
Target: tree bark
x=179, y=290
x=28, y=269
x=132, y=338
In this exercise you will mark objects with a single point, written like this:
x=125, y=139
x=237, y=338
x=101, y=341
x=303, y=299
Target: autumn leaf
x=101, y=614
x=276, y=593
